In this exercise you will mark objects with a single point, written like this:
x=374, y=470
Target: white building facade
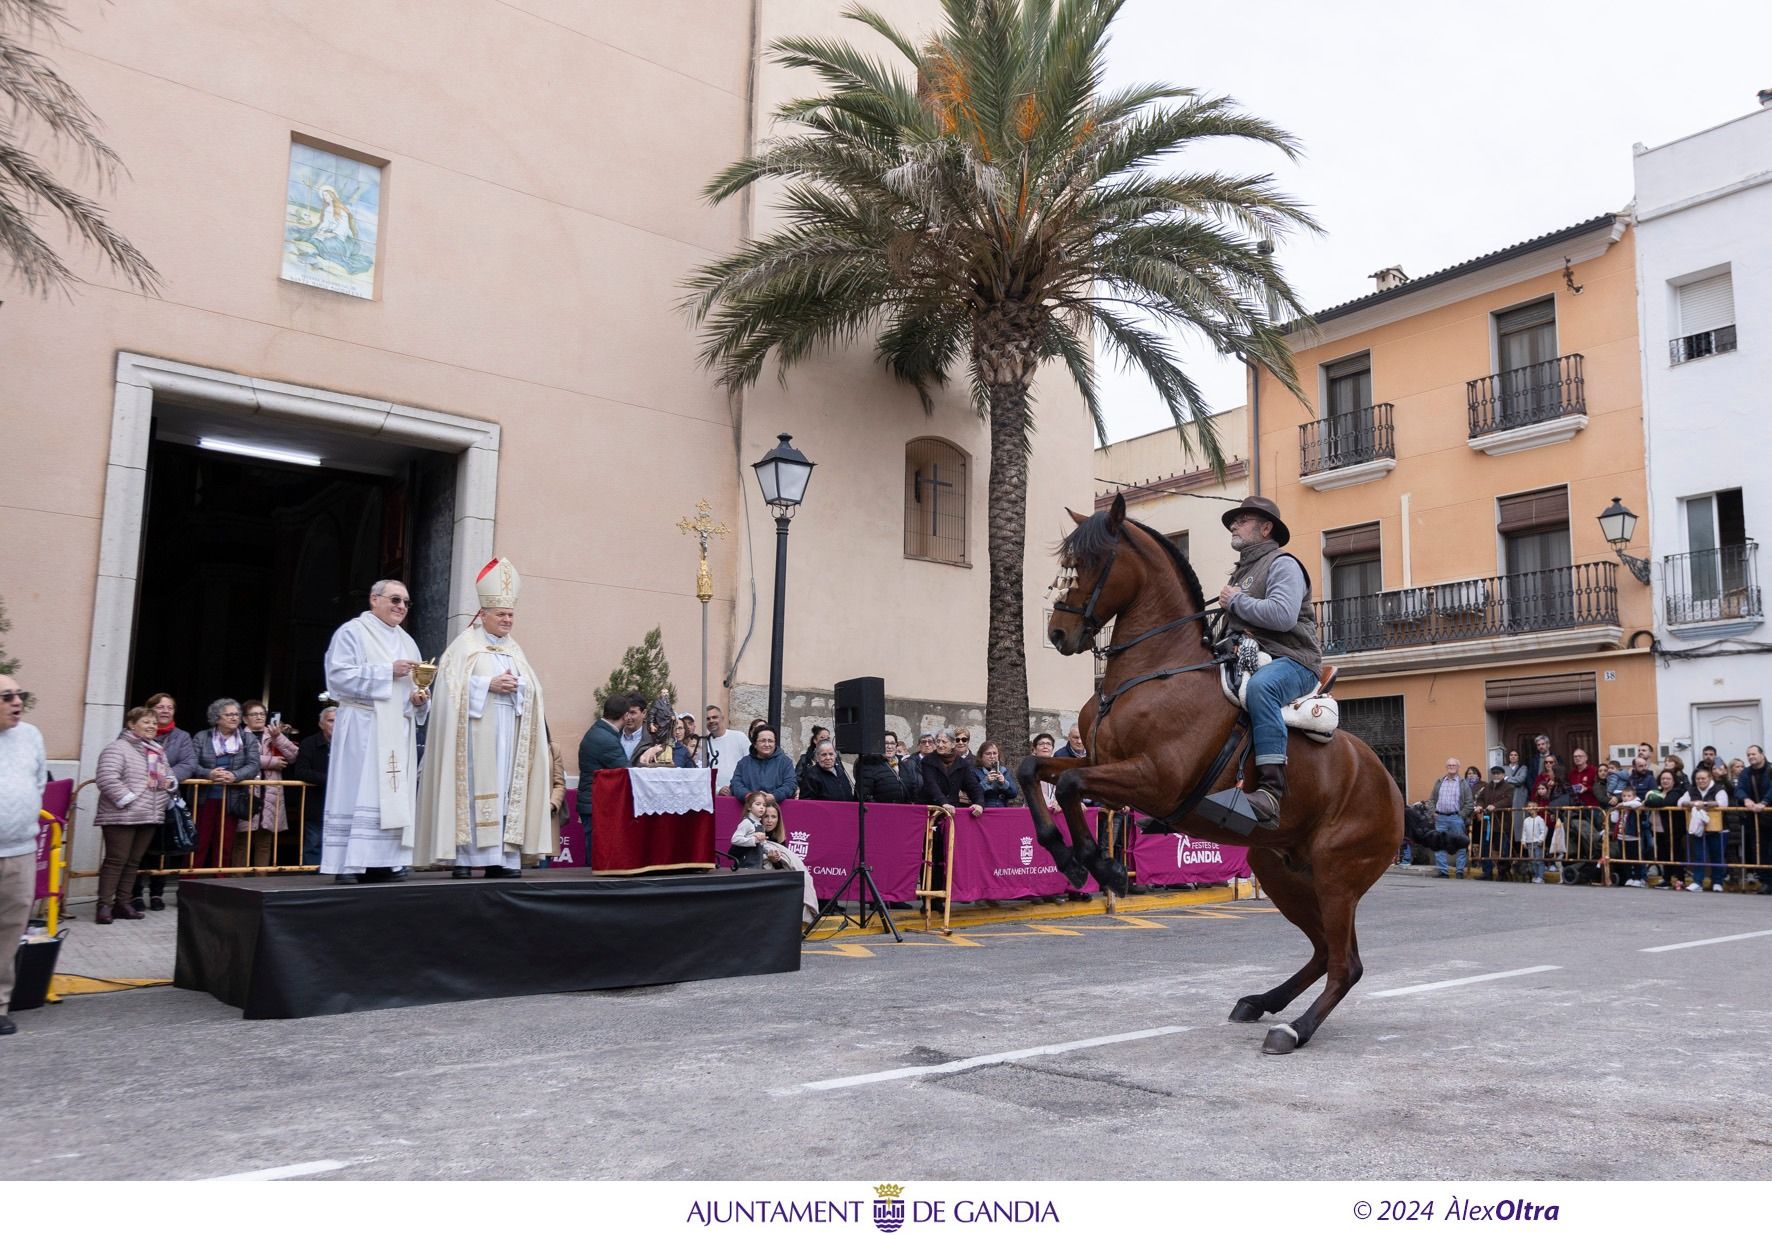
x=1704, y=279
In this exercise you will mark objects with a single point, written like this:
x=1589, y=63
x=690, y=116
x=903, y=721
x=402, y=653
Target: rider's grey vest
x=1298, y=643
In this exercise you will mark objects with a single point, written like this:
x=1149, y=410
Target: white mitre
x=498, y=584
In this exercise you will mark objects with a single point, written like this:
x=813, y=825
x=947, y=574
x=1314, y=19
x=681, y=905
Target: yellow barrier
x=244, y=846
x=1616, y=845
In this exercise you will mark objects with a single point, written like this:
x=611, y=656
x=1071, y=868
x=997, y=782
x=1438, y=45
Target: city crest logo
x=800, y=843
x=1027, y=851
x=888, y=1207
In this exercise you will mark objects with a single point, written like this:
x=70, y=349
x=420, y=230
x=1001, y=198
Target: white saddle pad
x=1314, y=715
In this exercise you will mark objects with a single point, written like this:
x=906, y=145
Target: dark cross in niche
x=936, y=485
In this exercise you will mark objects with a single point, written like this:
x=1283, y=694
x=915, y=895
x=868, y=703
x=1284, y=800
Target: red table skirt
x=625, y=844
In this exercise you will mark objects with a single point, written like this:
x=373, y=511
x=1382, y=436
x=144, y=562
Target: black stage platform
x=301, y=945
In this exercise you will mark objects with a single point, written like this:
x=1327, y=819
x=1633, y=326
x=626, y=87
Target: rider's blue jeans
x=1272, y=687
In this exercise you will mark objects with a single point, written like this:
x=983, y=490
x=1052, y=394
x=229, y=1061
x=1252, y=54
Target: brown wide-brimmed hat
x=1263, y=507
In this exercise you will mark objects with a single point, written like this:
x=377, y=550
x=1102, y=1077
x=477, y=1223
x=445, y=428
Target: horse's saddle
x=1316, y=715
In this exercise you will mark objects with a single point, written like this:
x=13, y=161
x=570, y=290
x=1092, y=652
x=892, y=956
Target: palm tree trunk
x=1004, y=356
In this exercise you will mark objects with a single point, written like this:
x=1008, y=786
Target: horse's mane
x=1090, y=543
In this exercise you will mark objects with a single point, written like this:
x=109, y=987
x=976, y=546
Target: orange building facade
x=1443, y=491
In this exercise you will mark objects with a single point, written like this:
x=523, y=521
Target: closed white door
x=1730, y=727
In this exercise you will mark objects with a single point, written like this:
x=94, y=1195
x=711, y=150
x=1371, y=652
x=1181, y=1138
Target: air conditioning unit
x=1469, y=596
x=1403, y=608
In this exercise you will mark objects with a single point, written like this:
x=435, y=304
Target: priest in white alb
x=372, y=775
x=485, y=792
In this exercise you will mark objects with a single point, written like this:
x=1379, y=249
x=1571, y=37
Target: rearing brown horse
x=1166, y=720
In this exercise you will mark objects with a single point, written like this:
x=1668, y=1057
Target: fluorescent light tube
x=258, y=452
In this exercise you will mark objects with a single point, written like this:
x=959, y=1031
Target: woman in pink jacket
x=133, y=782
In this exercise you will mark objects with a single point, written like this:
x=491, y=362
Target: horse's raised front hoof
x=1281, y=1040
x=1110, y=873
x=1248, y=1009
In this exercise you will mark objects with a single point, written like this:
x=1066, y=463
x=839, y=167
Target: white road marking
x=293, y=1171
x=1482, y=977
x=979, y=1061
x=1699, y=943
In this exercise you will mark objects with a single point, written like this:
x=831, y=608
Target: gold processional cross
x=702, y=527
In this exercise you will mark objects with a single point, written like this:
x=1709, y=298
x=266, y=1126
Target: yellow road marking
x=971, y=930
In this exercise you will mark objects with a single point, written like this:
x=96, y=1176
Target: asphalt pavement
x=1502, y=1031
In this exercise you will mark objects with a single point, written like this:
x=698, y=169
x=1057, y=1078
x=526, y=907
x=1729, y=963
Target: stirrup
x=1231, y=808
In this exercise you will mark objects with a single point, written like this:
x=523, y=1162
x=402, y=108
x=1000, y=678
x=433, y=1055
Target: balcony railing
x=1342, y=441
x=1712, y=585
x=1704, y=343
x=1528, y=396
x=1540, y=600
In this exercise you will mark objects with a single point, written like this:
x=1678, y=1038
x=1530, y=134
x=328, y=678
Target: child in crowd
x=753, y=829
x=1533, y=829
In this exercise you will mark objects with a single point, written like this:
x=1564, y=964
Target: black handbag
x=178, y=831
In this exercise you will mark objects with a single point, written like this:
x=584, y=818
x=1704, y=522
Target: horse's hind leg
x=1295, y=897
x=1337, y=907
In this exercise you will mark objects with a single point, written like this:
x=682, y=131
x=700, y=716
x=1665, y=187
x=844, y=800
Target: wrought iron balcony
x=1531, y=395
x=1503, y=605
x=1712, y=585
x=1342, y=441
x=1704, y=343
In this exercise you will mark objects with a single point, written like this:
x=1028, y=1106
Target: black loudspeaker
x=861, y=716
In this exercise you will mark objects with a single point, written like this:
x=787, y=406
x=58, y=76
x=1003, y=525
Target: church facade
x=435, y=305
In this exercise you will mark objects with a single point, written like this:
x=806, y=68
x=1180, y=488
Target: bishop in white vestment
x=485, y=788
x=372, y=775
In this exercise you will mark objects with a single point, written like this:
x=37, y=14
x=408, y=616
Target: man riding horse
x=1268, y=599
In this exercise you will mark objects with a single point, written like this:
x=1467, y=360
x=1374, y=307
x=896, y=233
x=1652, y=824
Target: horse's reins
x=1234, y=743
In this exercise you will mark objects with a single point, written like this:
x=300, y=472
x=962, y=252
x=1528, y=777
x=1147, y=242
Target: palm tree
x=997, y=206
x=38, y=96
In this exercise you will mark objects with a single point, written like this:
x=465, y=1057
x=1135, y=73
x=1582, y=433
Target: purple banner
x=823, y=834
x=58, y=797
x=1165, y=859
x=572, y=834
x=998, y=857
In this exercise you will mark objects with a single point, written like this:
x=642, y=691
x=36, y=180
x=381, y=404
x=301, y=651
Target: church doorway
x=251, y=560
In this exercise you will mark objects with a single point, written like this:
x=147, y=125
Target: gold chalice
x=424, y=673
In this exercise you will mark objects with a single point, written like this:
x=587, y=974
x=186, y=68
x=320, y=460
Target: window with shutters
x=1703, y=317
x=1537, y=557
x=1180, y=541
x=935, y=501
x=1352, y=618
x=1378, y=722
x=1526, y=347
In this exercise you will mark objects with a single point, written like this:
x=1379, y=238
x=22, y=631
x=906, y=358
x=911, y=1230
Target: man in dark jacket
x=825, y=779
x=1495, y=803
x=600, y=748
x=310, y=764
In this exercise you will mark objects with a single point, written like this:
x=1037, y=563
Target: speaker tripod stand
x=868, y=900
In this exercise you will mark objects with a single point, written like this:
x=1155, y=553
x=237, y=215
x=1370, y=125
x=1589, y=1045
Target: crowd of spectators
x=1706, y=828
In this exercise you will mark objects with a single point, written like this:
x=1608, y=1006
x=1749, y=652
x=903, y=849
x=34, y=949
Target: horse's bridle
x=1092, y=624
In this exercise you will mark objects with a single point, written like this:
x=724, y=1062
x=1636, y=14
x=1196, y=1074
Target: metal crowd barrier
x=1609, y=846
x=224, y=849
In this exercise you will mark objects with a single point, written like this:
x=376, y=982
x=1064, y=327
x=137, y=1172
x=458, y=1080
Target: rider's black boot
x=1265, y=801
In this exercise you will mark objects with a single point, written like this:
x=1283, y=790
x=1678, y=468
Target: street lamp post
x=783, y=474
x=1618, y=525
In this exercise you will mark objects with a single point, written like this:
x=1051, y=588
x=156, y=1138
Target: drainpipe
x=1254, y=424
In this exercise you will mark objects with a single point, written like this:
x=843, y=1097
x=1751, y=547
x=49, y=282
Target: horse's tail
x=1418, y=829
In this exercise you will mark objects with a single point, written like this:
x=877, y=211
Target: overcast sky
x=1434, y=133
